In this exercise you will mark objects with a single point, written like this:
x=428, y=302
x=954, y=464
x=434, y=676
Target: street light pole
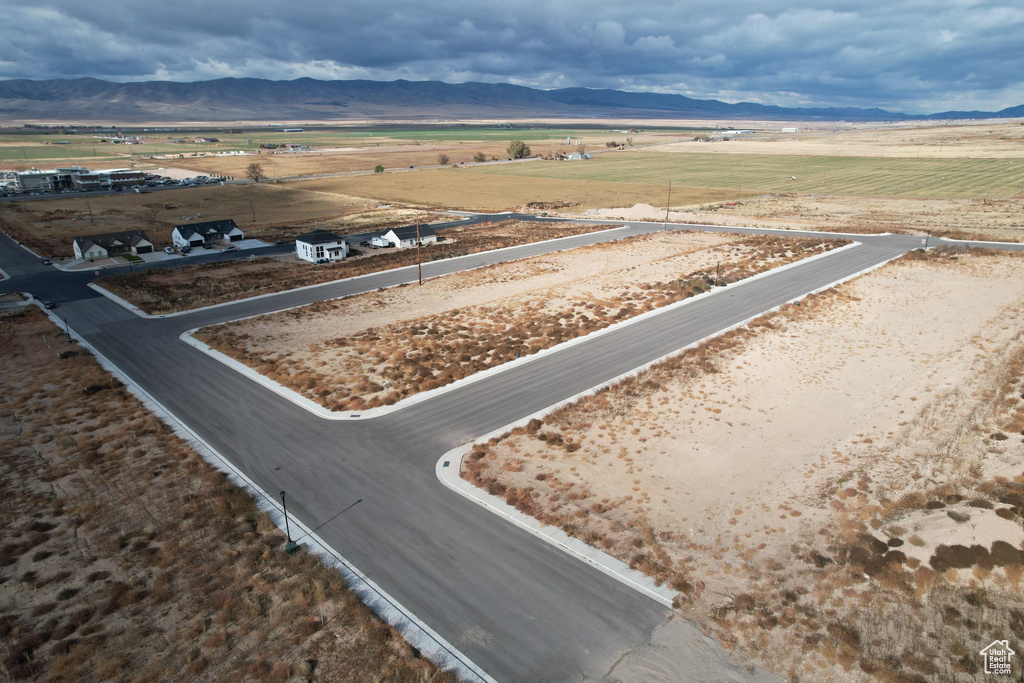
x=291, y=545
x=419, y=264
x=67, y=329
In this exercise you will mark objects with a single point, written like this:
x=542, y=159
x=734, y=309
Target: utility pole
x=668, y=203
x=419, y=264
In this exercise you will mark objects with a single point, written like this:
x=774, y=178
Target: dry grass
x=126, y=557
x=187, y=287
x=844, y=578
x=267, y=211
x=385, y=364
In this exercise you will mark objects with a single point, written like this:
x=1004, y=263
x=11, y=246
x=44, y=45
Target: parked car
x=49, y=305
x=231, y=247
x=168, y=250
x=46, y=262
x=322, y=260
x=185, y=250
x=280, y=243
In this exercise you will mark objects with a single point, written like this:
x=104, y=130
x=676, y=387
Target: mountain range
x=306, y=99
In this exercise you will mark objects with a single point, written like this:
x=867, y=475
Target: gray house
x=112, y=244
x=198, y=234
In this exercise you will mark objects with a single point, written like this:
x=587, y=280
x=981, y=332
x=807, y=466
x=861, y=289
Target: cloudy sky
x=915, y=56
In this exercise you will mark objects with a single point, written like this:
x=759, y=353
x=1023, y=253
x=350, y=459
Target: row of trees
x=517, y=149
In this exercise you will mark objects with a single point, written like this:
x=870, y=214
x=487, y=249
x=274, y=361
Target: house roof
x=207, y=228
x=107, y=240
x=409, y=232
x=318, y=237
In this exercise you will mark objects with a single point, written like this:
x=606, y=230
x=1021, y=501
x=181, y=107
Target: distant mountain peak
x=255, y=99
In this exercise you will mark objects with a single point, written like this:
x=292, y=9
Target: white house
x=406, y=237
x=112, y=244
x=320, y=244
x=198, y=234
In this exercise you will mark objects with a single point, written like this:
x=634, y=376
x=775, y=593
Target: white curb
x=415, y=631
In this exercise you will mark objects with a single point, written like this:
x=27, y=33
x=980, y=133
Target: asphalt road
x=517, y=607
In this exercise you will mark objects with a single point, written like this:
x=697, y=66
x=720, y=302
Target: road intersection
x=516, y=606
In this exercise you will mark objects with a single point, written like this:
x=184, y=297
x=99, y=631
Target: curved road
x=516, y=606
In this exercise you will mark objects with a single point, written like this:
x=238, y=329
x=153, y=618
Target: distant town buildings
x=78, y=179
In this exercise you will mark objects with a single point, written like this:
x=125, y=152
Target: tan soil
x=368, y=350
x=751, y=477
x=126, y=557
x=995, y=220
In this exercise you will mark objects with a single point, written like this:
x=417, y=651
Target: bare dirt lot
x=127, y=558
x=836, y=490
x=187, y=287
x=381, y=347
x=996, y=220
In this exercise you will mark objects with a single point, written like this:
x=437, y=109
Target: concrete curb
x=4, y=275
x=448, y=468
x=970, y=242
x=327, y=414
x=415, y=631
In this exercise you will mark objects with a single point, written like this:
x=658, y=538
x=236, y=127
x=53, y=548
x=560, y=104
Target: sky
x=911, y=56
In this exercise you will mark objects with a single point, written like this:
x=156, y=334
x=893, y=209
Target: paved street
x=516, y=606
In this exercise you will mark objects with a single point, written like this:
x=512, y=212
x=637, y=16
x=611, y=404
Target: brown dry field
x=282, y=211
x=995, y=220
x=990, y=139
x=169, y=290
x=381, y=347
x=836, y=490
x=126, y=557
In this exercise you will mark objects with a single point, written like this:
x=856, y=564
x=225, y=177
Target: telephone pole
x=419, y=264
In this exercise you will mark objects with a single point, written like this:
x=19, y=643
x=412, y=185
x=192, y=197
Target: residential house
x=112, y=244
x=406, y=237
x=319, y=245
x=200, y=234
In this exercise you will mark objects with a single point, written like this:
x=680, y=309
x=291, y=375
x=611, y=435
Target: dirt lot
x=382, y=347
x=126, y=557
x=187, y=287
x=995, y=220
x=836, y=490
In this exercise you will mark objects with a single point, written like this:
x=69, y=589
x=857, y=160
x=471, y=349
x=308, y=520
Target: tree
x=255, y=172
x=479, y=157
x=517, y=149
x=443, y=159
x=378, y=169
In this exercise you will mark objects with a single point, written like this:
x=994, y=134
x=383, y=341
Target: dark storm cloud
x=912, y=55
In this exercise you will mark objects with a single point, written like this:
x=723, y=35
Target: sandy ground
x=856, y=410
x=996, y=220
x=385, y=346
x=569, y=274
